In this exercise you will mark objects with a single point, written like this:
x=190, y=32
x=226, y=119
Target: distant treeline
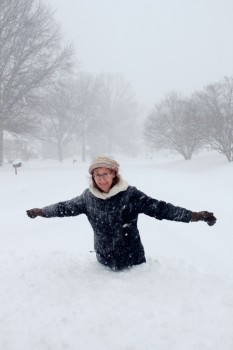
x=186, y=124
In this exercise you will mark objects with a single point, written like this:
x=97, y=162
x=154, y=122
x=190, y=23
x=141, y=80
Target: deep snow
x=54, y=295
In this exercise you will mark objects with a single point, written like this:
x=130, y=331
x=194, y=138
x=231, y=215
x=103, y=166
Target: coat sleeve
x=159, y=209
x=72, y=207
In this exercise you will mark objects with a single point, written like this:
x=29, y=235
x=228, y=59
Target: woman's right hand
x=33, y=213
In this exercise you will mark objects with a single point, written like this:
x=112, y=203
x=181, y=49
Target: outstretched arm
x=162, y=210
x=73, y=207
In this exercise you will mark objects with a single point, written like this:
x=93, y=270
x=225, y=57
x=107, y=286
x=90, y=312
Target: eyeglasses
x=104, y=176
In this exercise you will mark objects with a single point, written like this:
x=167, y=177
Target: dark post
x=16, y=164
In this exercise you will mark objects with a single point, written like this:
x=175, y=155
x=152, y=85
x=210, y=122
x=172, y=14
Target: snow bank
x=67, y=301
x=54, y=295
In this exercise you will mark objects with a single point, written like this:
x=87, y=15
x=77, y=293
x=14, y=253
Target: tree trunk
x=229, y=157
x=188, y=156
x=1, y=147
x=59, y=152
x=83, y=148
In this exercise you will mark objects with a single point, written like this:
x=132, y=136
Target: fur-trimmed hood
x=122, y=185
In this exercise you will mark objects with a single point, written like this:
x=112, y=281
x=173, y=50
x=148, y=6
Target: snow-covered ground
x=55, y=296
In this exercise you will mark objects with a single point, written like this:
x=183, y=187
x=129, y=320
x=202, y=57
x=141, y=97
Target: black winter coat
x=114, y=220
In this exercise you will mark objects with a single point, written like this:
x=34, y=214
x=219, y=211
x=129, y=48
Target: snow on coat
x=113, y=217
x=114, y=221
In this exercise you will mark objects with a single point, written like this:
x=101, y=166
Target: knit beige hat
x=103, y=162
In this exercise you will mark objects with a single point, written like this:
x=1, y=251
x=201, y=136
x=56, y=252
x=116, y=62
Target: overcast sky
x=157, y=45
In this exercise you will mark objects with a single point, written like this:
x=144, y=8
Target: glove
x=209, y=218
x=33, y=213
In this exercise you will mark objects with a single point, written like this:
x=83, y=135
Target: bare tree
x=67, y=110
x=174, y=125
x=30, y=55
x=59, y=119
x=86, y=107
x=117, y=119
x=216, y=109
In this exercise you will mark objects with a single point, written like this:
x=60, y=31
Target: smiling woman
x=104, y=173
x=104, y=179
x=112, y=208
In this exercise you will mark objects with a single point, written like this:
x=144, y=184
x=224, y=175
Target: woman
x=112, y=208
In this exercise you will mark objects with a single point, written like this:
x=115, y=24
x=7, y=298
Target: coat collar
x=122, y=185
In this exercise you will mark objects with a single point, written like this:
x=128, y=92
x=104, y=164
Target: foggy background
x=159, y=46
x=82, y=78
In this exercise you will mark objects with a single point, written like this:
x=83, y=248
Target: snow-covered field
x=55, y=296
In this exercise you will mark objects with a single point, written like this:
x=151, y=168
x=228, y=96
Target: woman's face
x=103, y=178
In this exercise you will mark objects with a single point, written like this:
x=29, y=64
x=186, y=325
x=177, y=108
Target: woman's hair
x=115, y=180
